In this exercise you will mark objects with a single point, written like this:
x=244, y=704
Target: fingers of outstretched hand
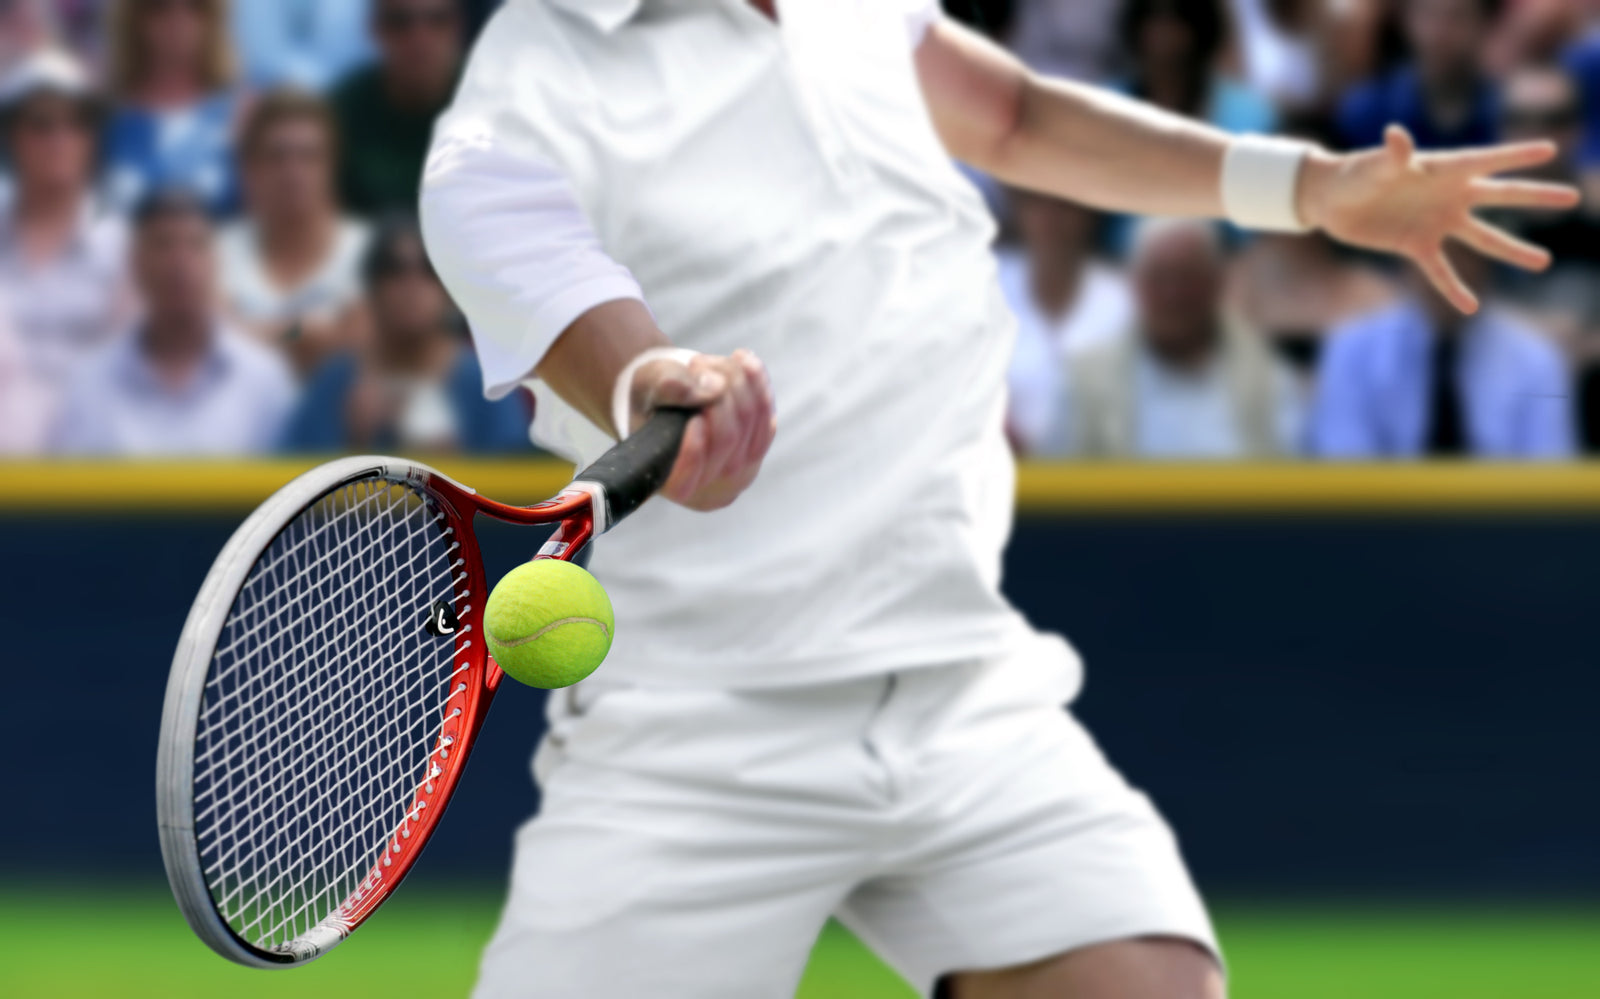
x=1497, y=244
x=1494, y=159
x=1436, y=265
x=1523, y=194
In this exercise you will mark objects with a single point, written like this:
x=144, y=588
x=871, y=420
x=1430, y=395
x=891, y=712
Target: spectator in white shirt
x=182, y=383
x=1191, y=383
x=63, y=264
x=291, y=269
x=1064, y=300
x=24, y=403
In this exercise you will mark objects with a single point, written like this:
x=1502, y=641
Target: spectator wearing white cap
x=63, y=275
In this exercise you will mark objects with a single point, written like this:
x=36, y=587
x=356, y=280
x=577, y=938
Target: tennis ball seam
x=547, y=629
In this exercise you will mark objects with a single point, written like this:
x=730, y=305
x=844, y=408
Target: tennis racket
x=329, y=684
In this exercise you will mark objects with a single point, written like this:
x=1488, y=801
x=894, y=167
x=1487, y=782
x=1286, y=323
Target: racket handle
x=635, y=469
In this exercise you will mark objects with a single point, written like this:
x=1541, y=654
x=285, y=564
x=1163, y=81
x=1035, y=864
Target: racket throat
x=570, y=537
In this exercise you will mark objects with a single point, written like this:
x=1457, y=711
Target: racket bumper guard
x=318, y=940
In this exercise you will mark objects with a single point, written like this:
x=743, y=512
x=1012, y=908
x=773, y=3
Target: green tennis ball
x=549, y=624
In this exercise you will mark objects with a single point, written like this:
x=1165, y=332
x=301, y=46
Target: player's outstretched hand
x=1397, y=200
x=725, y=445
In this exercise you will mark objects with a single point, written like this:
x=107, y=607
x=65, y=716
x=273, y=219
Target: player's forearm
x=583, y=365
x=1111, y=152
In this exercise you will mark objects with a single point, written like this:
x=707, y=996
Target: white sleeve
x=920, y=16
x=513, y=246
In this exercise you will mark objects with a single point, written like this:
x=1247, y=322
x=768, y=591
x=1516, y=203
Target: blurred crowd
x=207, y=233
x=1173, y=340
x=208, y=246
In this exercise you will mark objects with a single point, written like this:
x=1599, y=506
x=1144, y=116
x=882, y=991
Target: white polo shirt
x=773, y=187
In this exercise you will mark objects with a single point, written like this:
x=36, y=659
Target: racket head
x=314, y=727
x=312, y=736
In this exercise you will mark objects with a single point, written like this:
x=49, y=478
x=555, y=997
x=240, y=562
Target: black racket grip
x=631, y=472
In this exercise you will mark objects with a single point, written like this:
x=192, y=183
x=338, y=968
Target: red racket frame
x=572, y=514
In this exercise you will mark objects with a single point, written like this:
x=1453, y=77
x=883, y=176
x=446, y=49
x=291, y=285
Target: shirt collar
x=607, y=15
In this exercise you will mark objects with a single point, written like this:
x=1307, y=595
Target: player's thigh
x=599, y=909
x=1126, y=969
x=1041, y=849
x=671, y=857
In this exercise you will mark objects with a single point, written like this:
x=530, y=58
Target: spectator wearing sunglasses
x=415, y=385
x=63, y=270
x=386, y=110
x=173, y=71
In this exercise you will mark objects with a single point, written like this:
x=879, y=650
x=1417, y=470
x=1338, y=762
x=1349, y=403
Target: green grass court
x=132, y=943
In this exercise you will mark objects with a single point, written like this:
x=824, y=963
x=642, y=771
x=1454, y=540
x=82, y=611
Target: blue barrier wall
x=1327, y=702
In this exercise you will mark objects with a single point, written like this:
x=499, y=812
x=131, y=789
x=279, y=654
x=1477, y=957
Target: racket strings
x=323, y=707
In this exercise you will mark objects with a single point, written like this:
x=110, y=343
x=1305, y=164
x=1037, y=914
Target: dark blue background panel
x=1330, y=703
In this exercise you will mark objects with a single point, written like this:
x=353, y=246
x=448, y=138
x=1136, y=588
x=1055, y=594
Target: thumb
x=1400, y=145
x=667, y=383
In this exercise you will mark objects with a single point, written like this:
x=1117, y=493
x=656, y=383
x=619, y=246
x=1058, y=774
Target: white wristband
x=622, y=393
x=1260, y=183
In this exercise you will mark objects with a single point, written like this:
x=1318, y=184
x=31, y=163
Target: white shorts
x=693, y=843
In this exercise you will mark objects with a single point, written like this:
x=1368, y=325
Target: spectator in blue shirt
x=302, y=43
x=174, y=75
x=1440, y=93
x=1420, y=380
x=416, y=385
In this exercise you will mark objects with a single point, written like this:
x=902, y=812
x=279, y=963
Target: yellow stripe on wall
x=114, y=487
x=226, y=486
x=1308, y=488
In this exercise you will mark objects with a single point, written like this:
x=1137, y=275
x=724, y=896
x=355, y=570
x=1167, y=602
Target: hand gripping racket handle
x=631, y=472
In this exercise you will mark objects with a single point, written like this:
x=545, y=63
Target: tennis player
x=818, y=702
